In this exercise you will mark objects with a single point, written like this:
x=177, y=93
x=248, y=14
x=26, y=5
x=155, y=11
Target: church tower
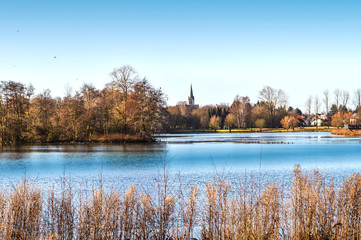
x=191, y=97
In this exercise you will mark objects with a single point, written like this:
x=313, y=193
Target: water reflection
x=195, y=155
x=261, y=138
x=156, y=147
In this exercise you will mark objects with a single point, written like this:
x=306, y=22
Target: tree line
x=270, y=111
x=267, y=112
x=128, y=108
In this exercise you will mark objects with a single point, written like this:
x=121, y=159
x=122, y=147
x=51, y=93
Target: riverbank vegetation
x=341, y=131
x=271, y=111
x=127, y=109
x=309, y=207
x=130, y=109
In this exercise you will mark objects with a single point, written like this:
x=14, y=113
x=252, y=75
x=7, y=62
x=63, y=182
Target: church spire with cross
x=191, y=97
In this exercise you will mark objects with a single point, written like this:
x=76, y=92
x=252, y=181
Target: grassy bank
x=255, y=130
x=310, y=209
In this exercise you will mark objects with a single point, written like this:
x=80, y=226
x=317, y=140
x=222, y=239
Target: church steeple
x=191, y=97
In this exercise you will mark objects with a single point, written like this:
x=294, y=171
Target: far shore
x=253, y=130
x=132, y=139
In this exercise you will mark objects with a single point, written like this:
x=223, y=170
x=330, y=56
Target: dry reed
x=313, y=208
x=342, y=131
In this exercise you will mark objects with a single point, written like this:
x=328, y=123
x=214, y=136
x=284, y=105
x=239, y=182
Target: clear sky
x=223, y=48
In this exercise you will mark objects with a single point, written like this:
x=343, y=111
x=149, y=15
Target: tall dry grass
x=311, y=208
x=21, y=213
x=242, y=212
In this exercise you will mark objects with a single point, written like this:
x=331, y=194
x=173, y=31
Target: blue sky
x=223, y=48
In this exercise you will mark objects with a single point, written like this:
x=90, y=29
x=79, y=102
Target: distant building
x=191, y=97
x=316, y=120
x=191, y=102
x=354, y=119
x=354, y=123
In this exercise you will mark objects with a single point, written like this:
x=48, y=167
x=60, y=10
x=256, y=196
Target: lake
x=194, y=157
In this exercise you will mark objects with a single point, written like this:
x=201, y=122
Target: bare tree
x=147, y=108
x=241, y=109
x=273, y=99
x=326, y=101
x=43, y=111
x=89, y=95
x=15, y=120
x=123, y=79
x=337, y=94
x=317, y=104
x=357, y=98
x=308, y=105
x=345, y=97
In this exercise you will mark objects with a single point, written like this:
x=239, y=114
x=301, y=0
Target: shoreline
x=135, y=140
x=252, y=130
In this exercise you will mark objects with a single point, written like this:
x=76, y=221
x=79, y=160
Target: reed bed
x=342, y=131
x=310, y=208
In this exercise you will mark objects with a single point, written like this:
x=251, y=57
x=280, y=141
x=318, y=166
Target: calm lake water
x=195, y=157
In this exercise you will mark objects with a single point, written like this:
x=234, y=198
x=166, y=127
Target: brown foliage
x=341, y=131
x=340, y=119
x=215, y=122
x=313, y=208
x=126, y=106
x=289, y=122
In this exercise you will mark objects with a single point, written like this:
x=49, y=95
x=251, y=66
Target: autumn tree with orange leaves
x=289, y=122
x=215, y=122
x=340, y=119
